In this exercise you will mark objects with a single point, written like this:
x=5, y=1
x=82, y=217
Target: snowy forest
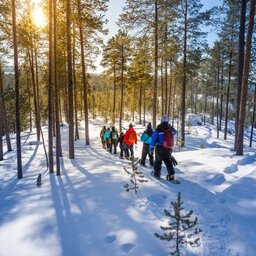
x=62, y=193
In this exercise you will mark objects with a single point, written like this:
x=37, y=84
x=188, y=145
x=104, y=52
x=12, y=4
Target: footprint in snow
x=127, y=247
x=231, y=169
x=158, y=199
x=110, y=239
x=217, y=179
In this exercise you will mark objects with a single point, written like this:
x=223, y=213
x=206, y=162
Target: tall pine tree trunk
x=32, y=70
x=156, y=65
x=144, y=105
x=17, y=92
x=170, y=96
x=75, y=83
x=253, y=116
x=5, y=121
x=244, y=88
x=240, y=64
x=122, y=89
x=56, y=90
x=229, y=84
x=50, y=96
x=162, y=85
x=70, y=86
x=1, y=118
x=217, y=96
x=85, y=93
x=140, y=101
x=184, y=78
x=114, y=99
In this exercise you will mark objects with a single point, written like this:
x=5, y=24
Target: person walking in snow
x=113, y=140
x=102, y=132
x=146, y=139
x=107, y=138
x=163, y=141
x=130, y=138
x=121, y=144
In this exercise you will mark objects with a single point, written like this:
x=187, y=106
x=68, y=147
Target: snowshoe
x=170, y=178
x=156, y=175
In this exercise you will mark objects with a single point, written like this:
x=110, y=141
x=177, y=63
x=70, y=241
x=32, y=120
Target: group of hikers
x=157, y=145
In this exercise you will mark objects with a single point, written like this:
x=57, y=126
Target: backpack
x=131, y=137
x=168, y=140
x=114, y=135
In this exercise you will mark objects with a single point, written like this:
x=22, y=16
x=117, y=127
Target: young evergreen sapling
x=182, y=228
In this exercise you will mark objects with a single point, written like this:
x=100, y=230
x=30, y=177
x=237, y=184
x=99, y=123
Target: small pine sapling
x=135, y=177
x=181, y=229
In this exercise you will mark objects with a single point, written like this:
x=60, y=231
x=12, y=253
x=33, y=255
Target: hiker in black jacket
x=162, y=141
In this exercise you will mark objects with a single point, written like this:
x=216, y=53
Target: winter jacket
x=158, y=135
x=114, y=136
x=107, y=135
x=146, y=136
x=130, y=133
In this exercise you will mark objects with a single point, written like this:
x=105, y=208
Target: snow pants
x=163, y=154
x=144, y=155
x=127, y=150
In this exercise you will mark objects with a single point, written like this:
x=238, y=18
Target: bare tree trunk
x=32, y=70
x=173, y=103
x=170, y=92
x=253, y=116
x=37, y=83
x=114, y=100
x=5, y=121
x=1, y=118
x=244, y=88
x=17, y=91
x=144, y=105
x=205, y=108
x=140, y=101
x=229, y=83
x=221, y=97
x=75, y=84
x=122, y=89
x=217, y=97
x=29, y=100
x=50, y=122
x=156, y=65
x=70, y=86
x=86, y=114
x=183, y=95
x=240, y=64
x=56, y=90
x=162, y=86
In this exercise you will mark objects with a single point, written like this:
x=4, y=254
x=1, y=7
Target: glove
x=174, y=162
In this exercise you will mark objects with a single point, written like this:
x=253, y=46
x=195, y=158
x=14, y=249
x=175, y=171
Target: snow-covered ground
x=86, y=211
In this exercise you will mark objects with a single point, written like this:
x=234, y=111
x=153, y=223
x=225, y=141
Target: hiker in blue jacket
x=107, y=138
x=163, y=140
x=146, y=139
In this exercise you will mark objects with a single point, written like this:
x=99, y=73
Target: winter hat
x=164, y=119
x=149, y=126
x=130, y=125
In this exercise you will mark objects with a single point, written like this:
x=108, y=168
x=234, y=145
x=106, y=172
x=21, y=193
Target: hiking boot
x=156, y=175
x=141, y=163
x=170, y=177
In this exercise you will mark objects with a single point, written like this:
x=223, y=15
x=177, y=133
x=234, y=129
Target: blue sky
x=115, y=8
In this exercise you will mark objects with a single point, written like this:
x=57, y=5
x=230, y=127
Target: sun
x=39, y=17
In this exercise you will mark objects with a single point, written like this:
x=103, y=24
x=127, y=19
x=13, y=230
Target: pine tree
x=182, y=230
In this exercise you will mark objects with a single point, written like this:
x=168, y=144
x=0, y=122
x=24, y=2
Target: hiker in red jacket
x=130, y=138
